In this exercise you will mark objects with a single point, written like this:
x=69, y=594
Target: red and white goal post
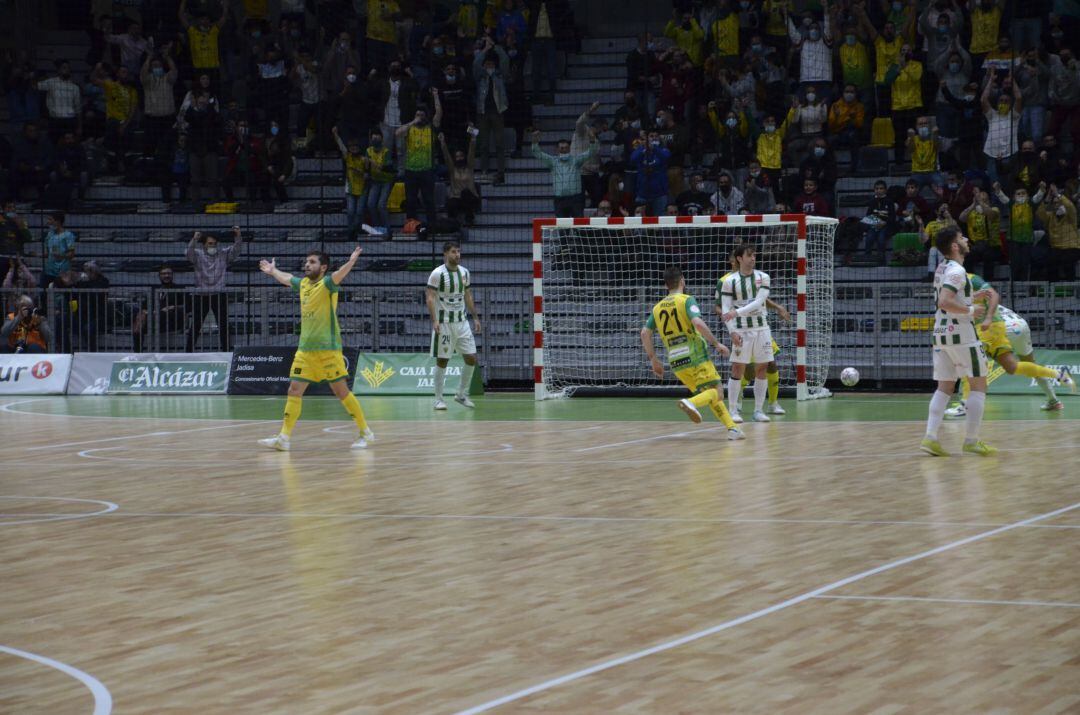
x=595, y=279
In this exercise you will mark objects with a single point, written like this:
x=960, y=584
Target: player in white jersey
x=958, y=352
x=742, y=308
x=449, y=296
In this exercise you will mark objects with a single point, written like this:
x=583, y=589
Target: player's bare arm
x=472, y=310
x=778, y=309
x=703, y=328
x=993, y=298
x=650, y=352
x=339, y=275
x=270, y=268
x=431, y=296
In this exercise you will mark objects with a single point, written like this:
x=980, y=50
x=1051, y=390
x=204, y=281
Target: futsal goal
x=595, y=279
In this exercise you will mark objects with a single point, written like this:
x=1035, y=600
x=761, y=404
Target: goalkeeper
x=1004, y=335
x=685, y=335
x=772, y=371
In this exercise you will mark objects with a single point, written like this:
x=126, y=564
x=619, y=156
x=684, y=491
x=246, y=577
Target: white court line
x=971, y=601
x=102, y=697
x=646, y=439
x=660, y=648
x=109, y=507
x=160, y=433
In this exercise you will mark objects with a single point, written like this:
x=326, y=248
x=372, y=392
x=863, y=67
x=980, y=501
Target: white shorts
x=952, y=362
x=451, y=338
x=1019, y=333
x=756, y=347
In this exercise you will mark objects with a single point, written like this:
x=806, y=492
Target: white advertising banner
x=34, y=374
x=154, y=373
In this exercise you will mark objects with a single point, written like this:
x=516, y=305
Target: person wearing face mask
x=983, y=227
x=1028, y=170
x=940, y=23
x=566, y=174
x=808, y=119
x=887, y=46
x=211, y=265
x=855, y=66
x=847, y=119
x=953, y=70
x=398, y=99
x=463, y=196
x=1021, y=231
x=456, y=102
x=907, y=102
x=382, y=33
x=819, y=165
x=769, y=142
x=335, y=66
x=271, y=87
x=651, y=161
x=684, y=29
x=815, y=52
x=942, y=219
x=491, y=67
x=63, y=100
x=732, y=134
x=158, y=76
x=727, y=199
x=304, y=75
x=202, y=40
x=757, y=190
x=353, y=107
x=724, y=33
x=1033, y=78
x=1002, y=125
x=617, y=196
x=923, y=145
x=641, y=67
x=1058, y=214
x=985, y=27
x=278, y=161
x=418, y=137
x=695, y=200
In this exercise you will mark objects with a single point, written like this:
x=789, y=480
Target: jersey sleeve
x=764, y=281
x=330, y=284
x=295, y=284
x=692, y=309
x=954, y=279
x=467, y=275
x=650, y=324
x=433, y=279
x=725, y=289
x=978, y=282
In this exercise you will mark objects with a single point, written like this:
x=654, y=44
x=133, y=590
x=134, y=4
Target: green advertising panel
x=179, y=377
x=1002, y=383
x=408, y=374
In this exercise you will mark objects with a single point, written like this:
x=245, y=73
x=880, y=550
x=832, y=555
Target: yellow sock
x=292, y=414
x=774, y=385
x=965, y=389
x=720, y=410
x=1031, y=369
x=704, y=398
x=352, y=406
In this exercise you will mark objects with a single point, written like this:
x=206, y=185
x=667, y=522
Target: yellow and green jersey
x=977, y=284
x=673, y=318
x=319, y=329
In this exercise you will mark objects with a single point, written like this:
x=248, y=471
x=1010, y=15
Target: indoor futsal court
x=586, y=555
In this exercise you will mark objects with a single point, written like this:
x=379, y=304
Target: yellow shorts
x=699, y=377
x=995, y=341
x=318, y=366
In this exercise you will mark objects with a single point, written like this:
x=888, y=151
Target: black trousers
x=420, y=190
x=200, y=305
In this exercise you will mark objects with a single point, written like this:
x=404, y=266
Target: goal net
x=595, y=279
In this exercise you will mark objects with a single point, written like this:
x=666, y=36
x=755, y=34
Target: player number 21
x=666, y=316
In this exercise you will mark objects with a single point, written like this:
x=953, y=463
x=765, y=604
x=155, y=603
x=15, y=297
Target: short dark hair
x=448, y=245
x=58, y=216
x=324, y=258
x=945, y=239
x=672, y=276
x=743, y=249
x=880, y=183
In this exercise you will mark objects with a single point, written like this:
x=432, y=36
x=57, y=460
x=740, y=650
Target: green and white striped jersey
x=450, y=287
x=950, y=328
x=741, y=291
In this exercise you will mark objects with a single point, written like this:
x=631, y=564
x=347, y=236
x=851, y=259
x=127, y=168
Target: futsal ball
x=849, y=376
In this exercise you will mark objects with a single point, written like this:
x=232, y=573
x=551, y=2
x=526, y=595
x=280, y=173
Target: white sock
x=938, y=403
x=440, y=378
x=466, y=380
x=1047, y=388
x=975, y=403
x=761, y=389
x=733, y=388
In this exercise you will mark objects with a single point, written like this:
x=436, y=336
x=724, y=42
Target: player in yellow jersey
x=1004, y=334
x=772, y=370
x=318, y=355
x=685, y=334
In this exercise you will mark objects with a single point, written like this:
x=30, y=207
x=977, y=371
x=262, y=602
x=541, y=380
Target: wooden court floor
x=599, y=557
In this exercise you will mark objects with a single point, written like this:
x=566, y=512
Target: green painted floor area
x=515, y=406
